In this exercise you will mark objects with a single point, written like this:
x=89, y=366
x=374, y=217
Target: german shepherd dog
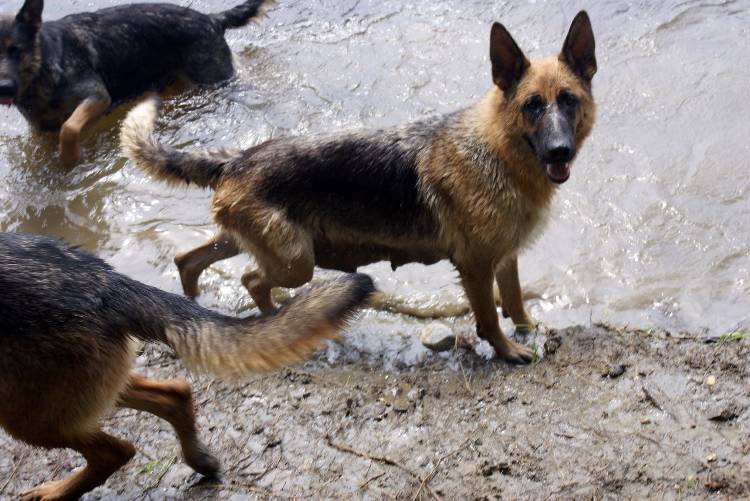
x=67, y=330
x=473, y=186
x=63, y=75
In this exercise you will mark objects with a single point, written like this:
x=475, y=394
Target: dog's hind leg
x=259, y=287
x=70, y=133
x=294, y=273
x=104, y=455
x=192, y=263
x=285, y=259
x=512, y=298
x=171, y=401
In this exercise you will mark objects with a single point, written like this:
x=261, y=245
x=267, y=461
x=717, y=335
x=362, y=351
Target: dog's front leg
x=511, y=295
x=477, y=281
x=70, y=132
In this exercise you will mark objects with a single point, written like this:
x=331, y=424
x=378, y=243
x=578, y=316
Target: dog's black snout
x=8, y=88
x=561, y=153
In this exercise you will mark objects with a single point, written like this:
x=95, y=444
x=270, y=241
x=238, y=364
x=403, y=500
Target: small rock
x=615, y=371
x=552, y=344
x=437, y=337
x=273, y=443
x=710, y=381
x=717, y=483
x=398, y=398
x=299, y=393
x=416, y=394
x=234, y=434
x=401, y=404
x=711, y=458
x=724, y=415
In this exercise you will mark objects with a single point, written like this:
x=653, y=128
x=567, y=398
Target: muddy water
x=651, y=230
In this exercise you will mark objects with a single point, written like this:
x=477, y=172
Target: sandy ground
x=606, y=414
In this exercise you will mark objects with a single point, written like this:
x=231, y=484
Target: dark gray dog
x=65, y=74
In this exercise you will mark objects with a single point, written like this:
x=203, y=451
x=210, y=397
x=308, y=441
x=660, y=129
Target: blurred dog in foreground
x=68, y=325
x=64, y=74
x=473, y=186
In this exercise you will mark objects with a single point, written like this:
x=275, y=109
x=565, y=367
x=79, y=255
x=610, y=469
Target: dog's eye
x=567, y=99
x=534, y=105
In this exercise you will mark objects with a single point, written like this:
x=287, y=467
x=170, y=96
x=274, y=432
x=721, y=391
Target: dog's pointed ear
x=508, y=61
x=31, y=13
x=579, y=49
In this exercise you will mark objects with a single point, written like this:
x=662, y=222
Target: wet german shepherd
x=63, y=75
x=68, y=326
x=473, y=186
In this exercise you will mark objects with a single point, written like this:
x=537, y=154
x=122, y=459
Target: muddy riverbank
x=606, y=414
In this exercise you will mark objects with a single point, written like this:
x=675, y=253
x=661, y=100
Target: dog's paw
x=51, y=491
x=203, y=461
x=515, y=353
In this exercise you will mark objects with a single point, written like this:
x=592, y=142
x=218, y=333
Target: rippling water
x=651, y=230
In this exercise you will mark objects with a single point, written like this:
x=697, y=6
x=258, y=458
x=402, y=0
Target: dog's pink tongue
x=6, y=101
x=558, y=173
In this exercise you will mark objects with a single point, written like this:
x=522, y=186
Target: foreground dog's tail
x=239, y=16
x=229, y=346
x=165, y=162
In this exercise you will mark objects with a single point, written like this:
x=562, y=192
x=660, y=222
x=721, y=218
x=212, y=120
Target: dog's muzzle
x=8, y=90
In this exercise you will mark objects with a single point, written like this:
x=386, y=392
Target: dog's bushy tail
x=164, y=162
x=239, y=16
x=229, y=346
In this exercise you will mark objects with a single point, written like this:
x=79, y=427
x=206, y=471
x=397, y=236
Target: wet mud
x=607, y=414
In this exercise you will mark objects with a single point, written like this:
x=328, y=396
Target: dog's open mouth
x=6, y=101
x=558, y=173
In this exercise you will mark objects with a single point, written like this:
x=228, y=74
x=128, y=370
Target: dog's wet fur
x=49, y=70
x=474, y=186
x=68, y=325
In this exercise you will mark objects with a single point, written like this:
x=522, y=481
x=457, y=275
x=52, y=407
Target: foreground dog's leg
x=70, y=132
x=104, y=455
x=192, y=263
x=477, y=281
x=171, y=401
x=510, y=293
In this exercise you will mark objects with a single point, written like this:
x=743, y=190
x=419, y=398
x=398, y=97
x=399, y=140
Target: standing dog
x=474, y=186
x=63, y=75
x=67, y=324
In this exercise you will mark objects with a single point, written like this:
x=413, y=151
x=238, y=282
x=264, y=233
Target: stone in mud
x=615, y=371
x=400, y=398
x=437, y=337
x=724, y=413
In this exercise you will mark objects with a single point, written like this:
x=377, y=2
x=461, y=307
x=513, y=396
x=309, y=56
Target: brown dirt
x=607, y=414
